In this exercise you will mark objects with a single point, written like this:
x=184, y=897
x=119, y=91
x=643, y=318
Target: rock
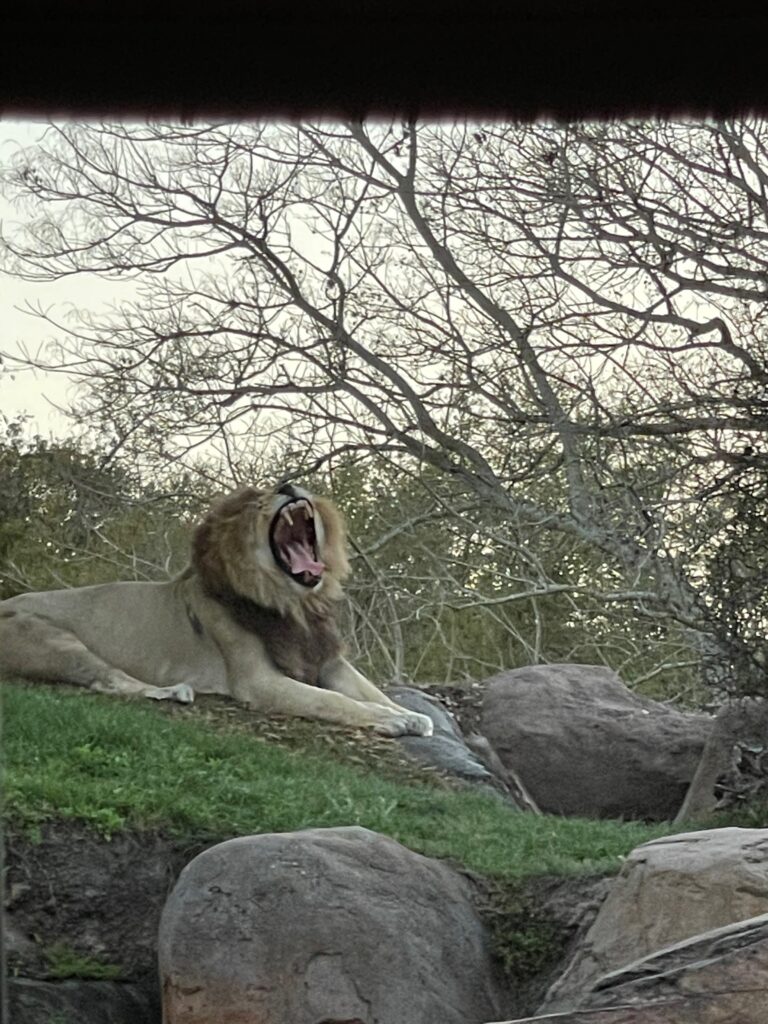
x=469, y=758
x=18, y=945
x=668, y=890
x=81, y=1002
x=567, y=729
x=718, y=977
x=623, y=1015
x=326, y=924
x=738, y=724
x=445, y=749
x=729, y=962
x=108, y=895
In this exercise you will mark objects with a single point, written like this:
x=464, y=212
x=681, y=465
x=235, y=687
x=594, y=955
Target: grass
x=64, y=962
x=126, y=765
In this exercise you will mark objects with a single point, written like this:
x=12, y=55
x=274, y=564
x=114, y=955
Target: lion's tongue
x=301, y=559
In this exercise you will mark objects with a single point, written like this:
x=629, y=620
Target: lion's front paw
x=180, y=692
x=419, y=725
x=400, y=722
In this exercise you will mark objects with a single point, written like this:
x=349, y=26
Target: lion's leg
x=254, y=679
x=126, y=686
x=282, y=695
x=344, y=678
x=33, y=648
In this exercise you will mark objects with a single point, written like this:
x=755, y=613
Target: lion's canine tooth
x=288, y=516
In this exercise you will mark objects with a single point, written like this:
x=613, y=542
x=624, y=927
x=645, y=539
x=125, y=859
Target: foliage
x=737, y=567
x=526, y=942
x=445, y=590
x=753, y=814
x=71, y=517
x=431, y=566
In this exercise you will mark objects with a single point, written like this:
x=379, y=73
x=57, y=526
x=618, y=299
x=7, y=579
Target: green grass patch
x=65, y=962
x=119, y=765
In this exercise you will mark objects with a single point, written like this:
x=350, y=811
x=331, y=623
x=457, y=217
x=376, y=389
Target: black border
x=509, y=59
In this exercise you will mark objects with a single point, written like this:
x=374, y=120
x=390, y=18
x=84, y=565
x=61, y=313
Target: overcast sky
x=28, y=391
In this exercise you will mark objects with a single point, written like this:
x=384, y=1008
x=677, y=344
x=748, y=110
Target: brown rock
x=728, y=1008
x=668, y=890
x=719, y=977
x=731, y=961
x=584, y=744
x=739, y=722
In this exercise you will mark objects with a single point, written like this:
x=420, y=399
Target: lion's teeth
x=302, y=505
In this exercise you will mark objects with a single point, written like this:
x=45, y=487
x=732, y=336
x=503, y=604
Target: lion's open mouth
x=293, y=541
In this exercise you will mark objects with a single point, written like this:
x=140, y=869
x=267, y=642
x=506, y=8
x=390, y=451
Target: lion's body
x=253, y=617
x=145, y=629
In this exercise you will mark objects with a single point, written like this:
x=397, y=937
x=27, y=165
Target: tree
x=565, y=324
x=443, y=589
x=66, y=520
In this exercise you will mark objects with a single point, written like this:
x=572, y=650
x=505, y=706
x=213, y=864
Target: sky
x=42, y=396
x=38, y=395
x=30, y=391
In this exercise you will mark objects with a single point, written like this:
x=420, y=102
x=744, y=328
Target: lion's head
x=283, y=549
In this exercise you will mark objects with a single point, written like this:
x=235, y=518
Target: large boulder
x=584, y=744
x=326, y=925
x=668, y=890
x=723, y=968
x=719, y=977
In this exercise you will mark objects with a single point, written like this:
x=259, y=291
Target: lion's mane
x=230, y=555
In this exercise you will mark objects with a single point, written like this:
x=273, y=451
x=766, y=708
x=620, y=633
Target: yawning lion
x=252, y=616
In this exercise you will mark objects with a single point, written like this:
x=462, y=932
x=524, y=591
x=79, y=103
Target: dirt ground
x=102, y=898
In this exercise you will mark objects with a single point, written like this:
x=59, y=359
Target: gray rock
x=719, y=977
x=327, y=924
x=469, y=758
x=81, y=1002
x=584, y=744
x=446, y=748
x=668, y=891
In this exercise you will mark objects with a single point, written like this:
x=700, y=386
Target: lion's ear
x=335, y=547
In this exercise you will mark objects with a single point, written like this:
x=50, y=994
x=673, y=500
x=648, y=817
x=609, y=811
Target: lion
x=252, y=617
